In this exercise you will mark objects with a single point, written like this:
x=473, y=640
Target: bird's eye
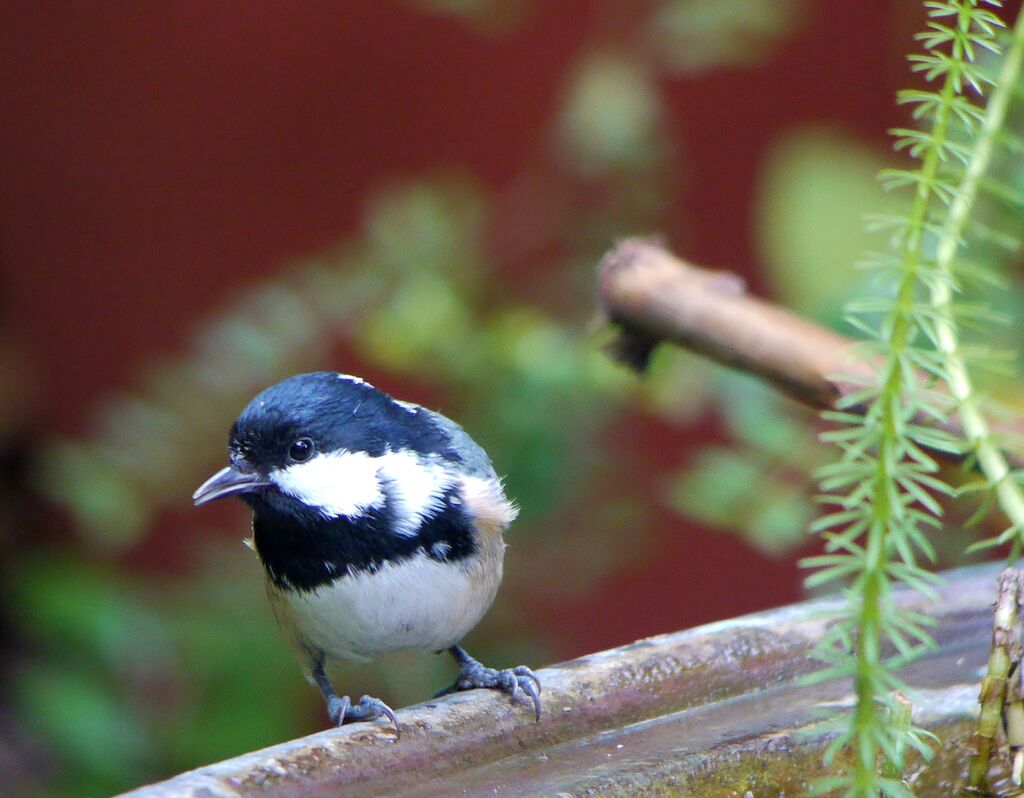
x=301, y=450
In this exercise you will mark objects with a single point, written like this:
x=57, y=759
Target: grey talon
x=336, y=709
x=514, y=681
x=341, y=710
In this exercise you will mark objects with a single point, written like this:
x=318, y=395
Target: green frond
x=914, y=488
x=893, y=788
x=977, y=272
x=883, y=490
x=922, y=741
x=989, y=235
x=852, y=399
x=1013, y=142
x=845, y=540
x=912, y=636
x=1003, y=191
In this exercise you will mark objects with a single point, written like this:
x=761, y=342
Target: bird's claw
x=521, y=683
x=342, y=711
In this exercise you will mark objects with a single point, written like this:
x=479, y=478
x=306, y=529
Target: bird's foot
x=520, y=682
x=342, y=710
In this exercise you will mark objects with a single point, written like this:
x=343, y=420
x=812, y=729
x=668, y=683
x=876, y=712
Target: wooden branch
x=653, y=296
x=714, y=711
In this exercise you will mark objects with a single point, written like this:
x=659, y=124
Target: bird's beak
x=227, y=482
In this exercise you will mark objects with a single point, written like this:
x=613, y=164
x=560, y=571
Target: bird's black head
x=341, y=476
x=296, y=419
x=302, y=432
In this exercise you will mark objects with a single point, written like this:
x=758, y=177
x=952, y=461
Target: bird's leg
x=519, y=682
x=342, y=710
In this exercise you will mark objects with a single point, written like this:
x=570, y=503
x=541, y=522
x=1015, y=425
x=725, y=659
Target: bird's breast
x=418, y=603
x=355, y=587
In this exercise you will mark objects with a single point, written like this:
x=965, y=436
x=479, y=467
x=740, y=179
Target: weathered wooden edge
x=607, y=690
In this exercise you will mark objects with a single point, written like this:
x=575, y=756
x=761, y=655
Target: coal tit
x=379, y=524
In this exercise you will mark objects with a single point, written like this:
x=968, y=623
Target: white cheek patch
x=415, y=488
x=336, y=484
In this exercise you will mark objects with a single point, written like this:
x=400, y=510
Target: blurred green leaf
x=490, y=16
x=738, y=493
x=538, y=404
x=678, y=384
x=235, y=703
x=429, y=225
x=611, y=116
x=426, y=322
x=754, y=414
x=717, y=487
x=91, y=610
x=88, y=722
x=692, y=36
x=97, y=489
x=780, y=523
x=743, y=488
x=815, y=191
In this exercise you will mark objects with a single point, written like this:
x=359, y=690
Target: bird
x=380, y=527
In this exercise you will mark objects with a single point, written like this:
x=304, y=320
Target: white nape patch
x=417, y=603
x=415, y=487
x=353, y=379
x=409, y=407
x=338, y=483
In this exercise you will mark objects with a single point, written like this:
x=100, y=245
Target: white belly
x=419, y=603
